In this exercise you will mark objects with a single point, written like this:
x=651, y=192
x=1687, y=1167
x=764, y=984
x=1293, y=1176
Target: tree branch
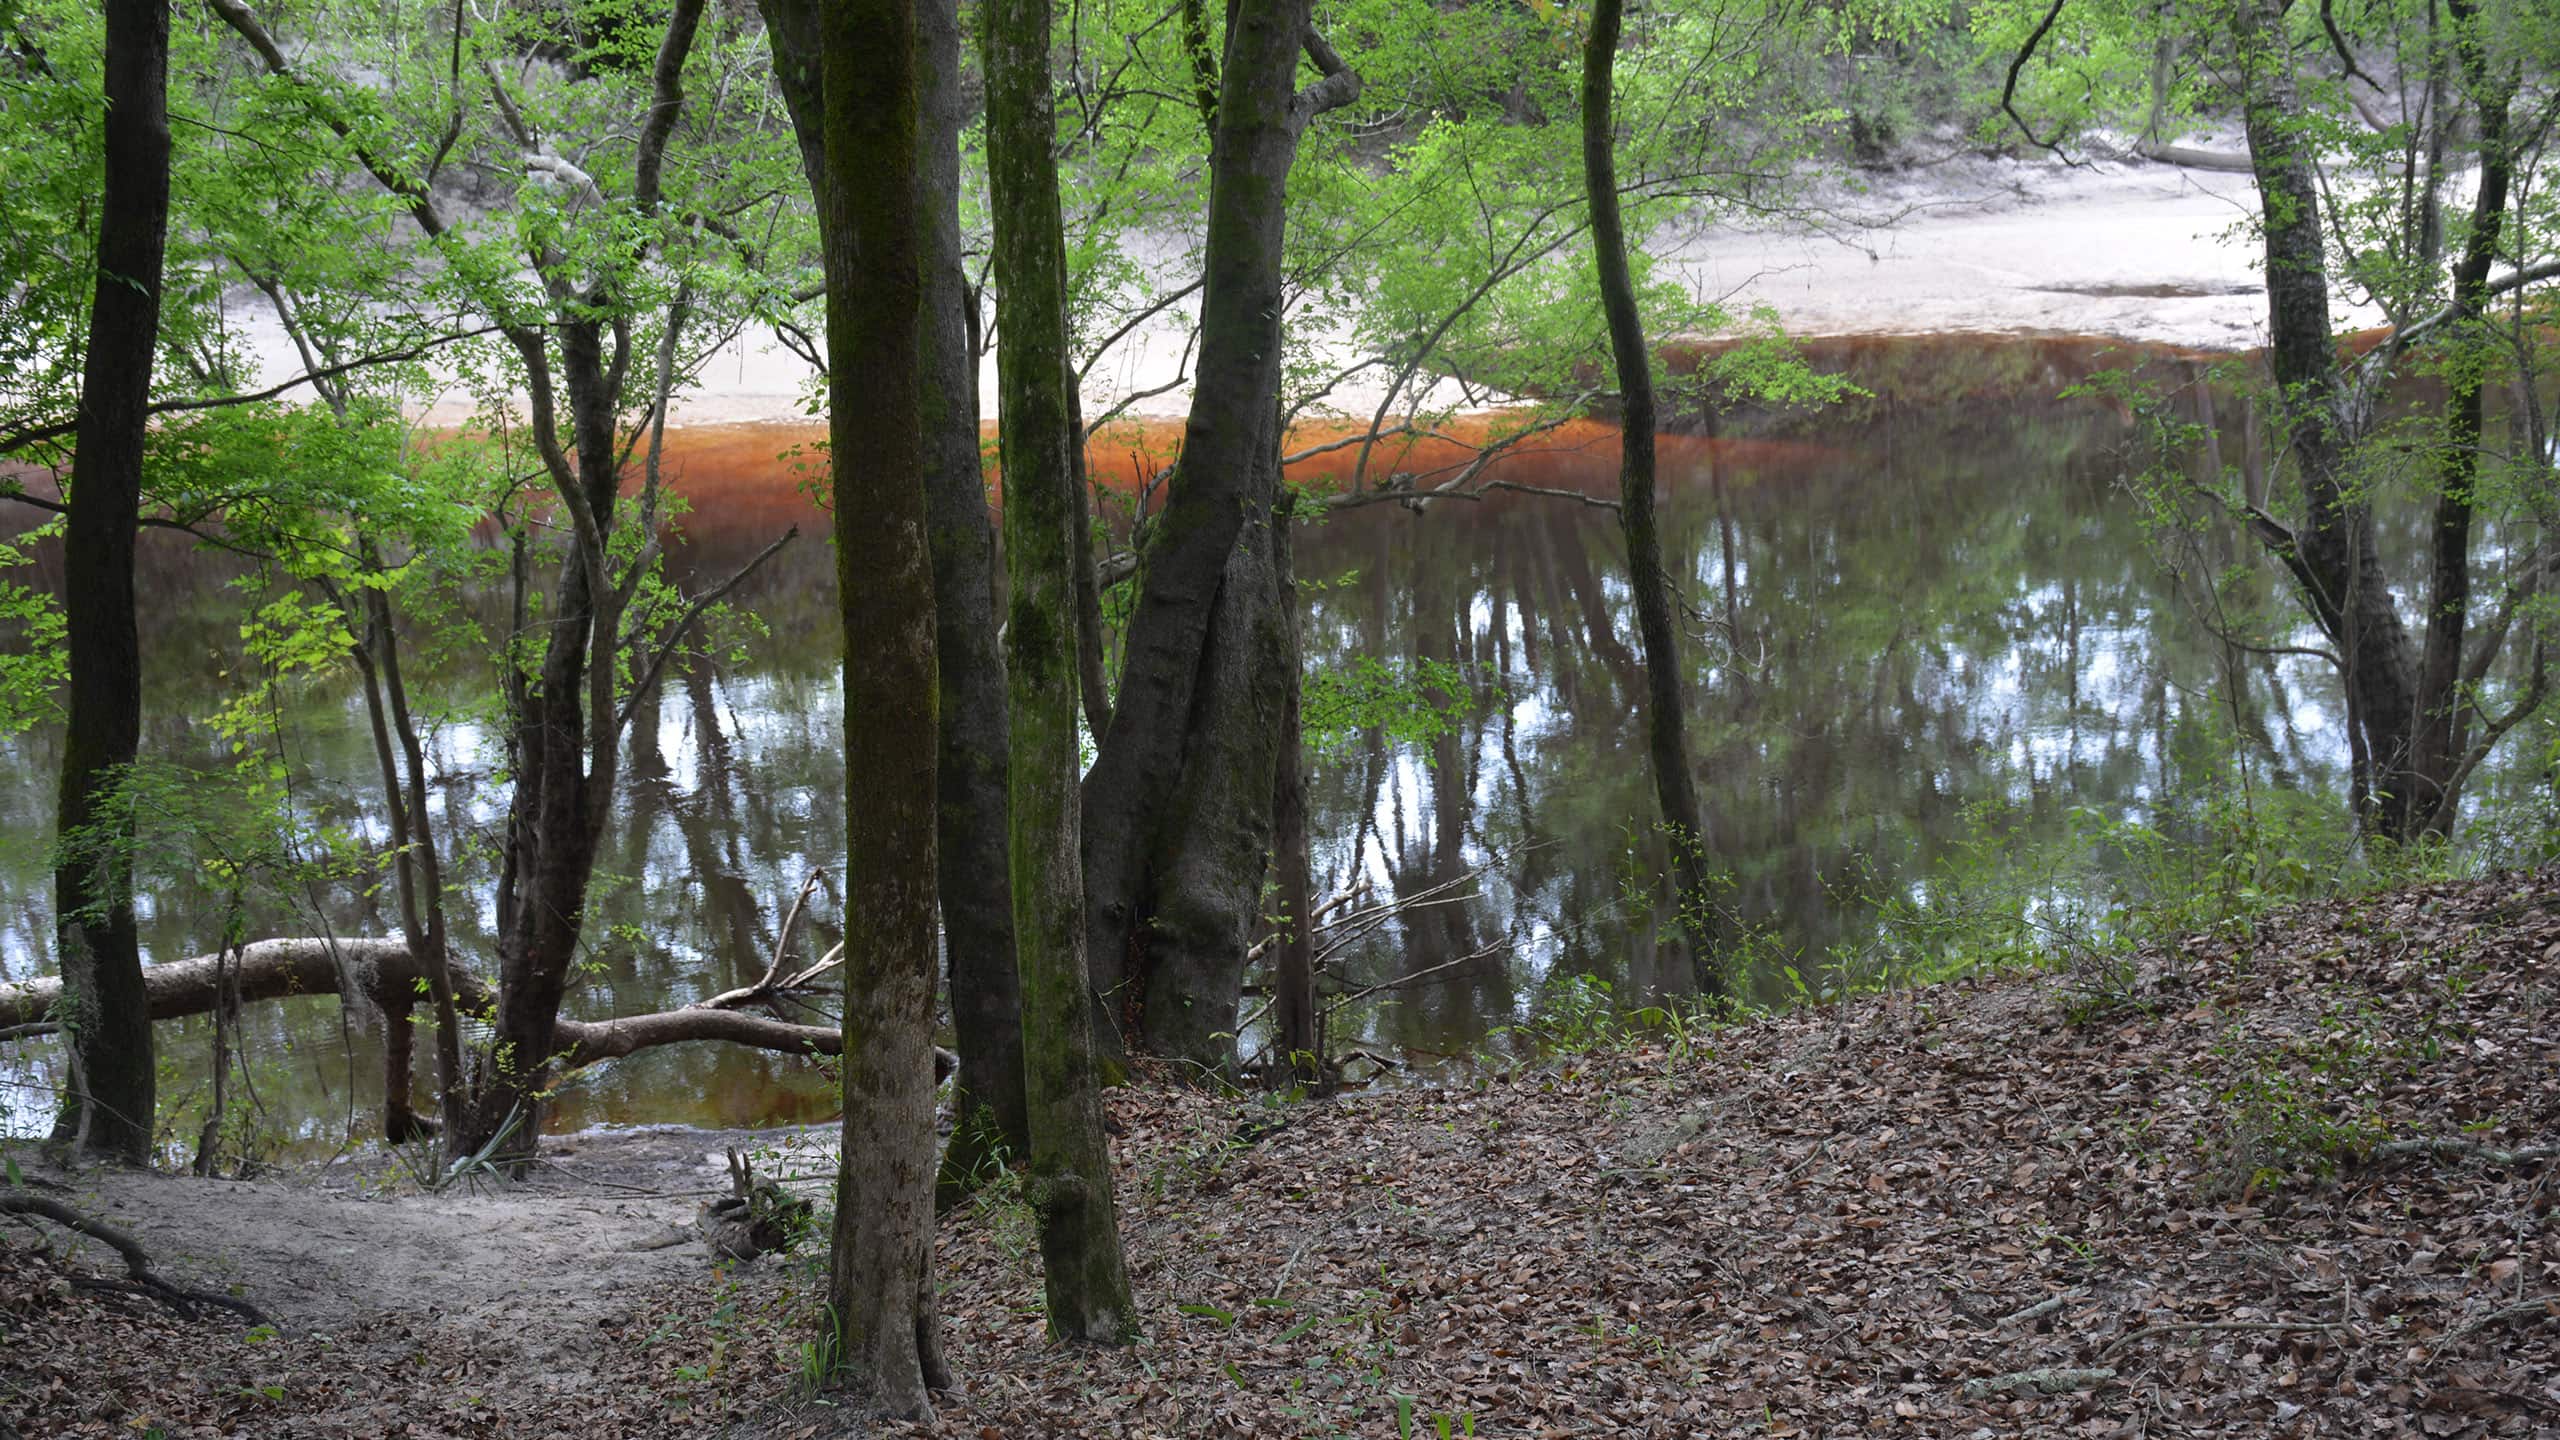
x=137, y=1261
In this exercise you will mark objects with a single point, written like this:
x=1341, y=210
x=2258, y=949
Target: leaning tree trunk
x=1683, y=831
x=109, y=1109
x=1069, y=1177
x=883, y=1338
x=2335, y=558
x=1147, y=789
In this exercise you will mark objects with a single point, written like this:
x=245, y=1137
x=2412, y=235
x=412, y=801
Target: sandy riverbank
x=2139, y=251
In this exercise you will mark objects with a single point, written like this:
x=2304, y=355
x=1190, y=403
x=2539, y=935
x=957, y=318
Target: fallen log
x=2188, y=158
x=390, y=980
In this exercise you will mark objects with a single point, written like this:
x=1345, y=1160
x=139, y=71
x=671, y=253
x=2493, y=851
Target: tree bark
x=1069, y=1175
x=1666, y=746
x=2335, y=557
x=977, y=903
x=2438, y=749
x=109, y=1110
x=883, y=1340
x=975, y=756
x=1161, y=975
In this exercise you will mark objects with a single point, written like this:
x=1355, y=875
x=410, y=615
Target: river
x=1928, y=632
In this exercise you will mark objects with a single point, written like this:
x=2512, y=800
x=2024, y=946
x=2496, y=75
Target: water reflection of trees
x=1908, y=612
x=1907, y=606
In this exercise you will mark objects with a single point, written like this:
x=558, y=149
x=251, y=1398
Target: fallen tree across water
x=387, y=979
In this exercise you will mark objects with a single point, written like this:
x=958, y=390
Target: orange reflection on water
x=761, y=477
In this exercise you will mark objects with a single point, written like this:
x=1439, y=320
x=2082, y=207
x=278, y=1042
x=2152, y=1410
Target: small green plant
x=2106, y=983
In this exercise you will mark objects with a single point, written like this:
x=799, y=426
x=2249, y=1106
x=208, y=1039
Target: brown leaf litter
x=2293, y=1182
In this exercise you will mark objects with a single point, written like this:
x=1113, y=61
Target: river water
x=1919, y=618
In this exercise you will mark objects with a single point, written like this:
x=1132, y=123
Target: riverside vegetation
x=2145, y=1068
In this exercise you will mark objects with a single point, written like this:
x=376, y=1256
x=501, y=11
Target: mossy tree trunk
x=109, y=1111
x=1665, y=717
x=883, y=1339
x=976, y=760
x=1069, y=1177
x=1177, y=805
x=977, y=902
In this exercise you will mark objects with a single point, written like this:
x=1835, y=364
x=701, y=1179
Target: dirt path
x=533, y=1268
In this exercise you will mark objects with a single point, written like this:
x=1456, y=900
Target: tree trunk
x=1070, y=1159
x=1683, y=831
x=1293, y=982
x=884, y=1339
x=564, y=782
x=977, y=903
x=418, y=871
x=2438, y=751
x=977, y=900
x=1161, y=976
x=2337, y=563
x=109, y=1110
x=1206, y=856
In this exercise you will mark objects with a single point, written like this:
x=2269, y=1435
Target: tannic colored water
x=1909, y=610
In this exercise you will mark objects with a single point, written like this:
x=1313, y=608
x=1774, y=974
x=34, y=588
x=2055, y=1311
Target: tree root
x=2451, y=1148
x=139, y=1277
x=2038, y=1382
x=2542, y=1308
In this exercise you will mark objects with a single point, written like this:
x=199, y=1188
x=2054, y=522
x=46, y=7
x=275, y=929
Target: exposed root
x=2449, y=1148
x=139, y=1277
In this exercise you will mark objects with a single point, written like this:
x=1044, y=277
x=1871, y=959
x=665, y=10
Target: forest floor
x=2293, y=1181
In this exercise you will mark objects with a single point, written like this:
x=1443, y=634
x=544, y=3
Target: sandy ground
x=606, y=1213
x=2142, y=251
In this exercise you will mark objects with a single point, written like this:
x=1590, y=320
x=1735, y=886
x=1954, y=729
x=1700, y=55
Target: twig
x=2038, y=1382
x=2542, y=1308
x=2450, y=1148
x=2185, y=1327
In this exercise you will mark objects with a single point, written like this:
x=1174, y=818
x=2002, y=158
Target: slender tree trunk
x=1666, y=747
x=1091, y=653
x=883, y=1339
x=109, y=1111
x=2443, y=708
x=1070, y=1169
x=2339, y=563
x=1293, y=984
x=417, y=872
x=1149, y=802
x=977, y=901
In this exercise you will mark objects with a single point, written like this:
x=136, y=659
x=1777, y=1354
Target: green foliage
x=2300, y=1106
x=35, y=665
x=1412, y=702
